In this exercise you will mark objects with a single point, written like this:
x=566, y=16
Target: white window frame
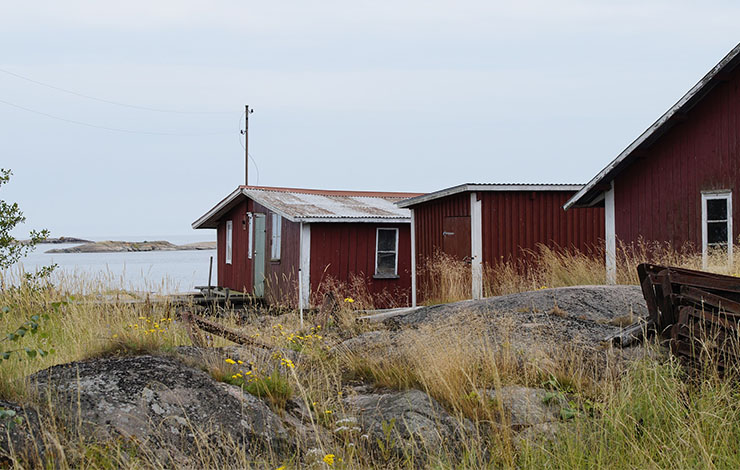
x=250, y=235
x=708, y=196
x=277, y=237
x=229, y=241
x=377, y=251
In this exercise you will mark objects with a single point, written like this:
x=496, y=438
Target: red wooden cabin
x=489, y=223
x=678, y=181
x=268, y=238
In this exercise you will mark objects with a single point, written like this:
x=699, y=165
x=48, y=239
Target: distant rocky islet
x=110, y=246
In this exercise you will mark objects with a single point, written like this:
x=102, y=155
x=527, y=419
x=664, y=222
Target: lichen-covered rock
x=523, y=406
x=20, y=434
x=407, y=422
x=161, y=402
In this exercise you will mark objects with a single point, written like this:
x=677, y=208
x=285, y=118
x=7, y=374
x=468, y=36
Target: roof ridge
x=335, y=192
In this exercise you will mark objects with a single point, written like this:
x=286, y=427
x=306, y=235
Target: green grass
x=654, y=417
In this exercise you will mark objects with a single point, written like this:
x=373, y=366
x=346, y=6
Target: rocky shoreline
x=110, y=246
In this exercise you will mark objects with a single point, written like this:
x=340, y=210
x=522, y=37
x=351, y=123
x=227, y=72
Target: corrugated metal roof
x=312, y=205
x=302, y=206
x=592, y=191
x=461, y=188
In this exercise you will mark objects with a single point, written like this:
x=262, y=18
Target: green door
x=259, y=255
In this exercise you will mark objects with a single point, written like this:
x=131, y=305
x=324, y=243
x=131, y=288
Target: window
x=386, y=252
x=229, y=234
x=277, y=225
x=716, y=221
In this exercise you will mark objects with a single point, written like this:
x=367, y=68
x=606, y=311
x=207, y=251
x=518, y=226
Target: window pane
x=386, y=263
x=716, y=209
x=386, y=240
x=716, y=232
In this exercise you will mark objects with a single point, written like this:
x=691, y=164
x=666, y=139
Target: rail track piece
x=193, y=332
x=667, y=289
x=704, y=299
x=705, y=335
x=223, y=331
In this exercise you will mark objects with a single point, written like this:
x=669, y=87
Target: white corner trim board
x=476, y=245
x=305, y=265
x=413, y=259
x=611, y=236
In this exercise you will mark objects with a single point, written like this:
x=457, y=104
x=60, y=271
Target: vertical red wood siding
x=237, y=275
x=515, y=221
x=281, y=276
x=429, y=219
x=658, y=197
x=340, y=250
x=512, y=221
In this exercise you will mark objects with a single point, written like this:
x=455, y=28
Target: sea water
x=151, y=271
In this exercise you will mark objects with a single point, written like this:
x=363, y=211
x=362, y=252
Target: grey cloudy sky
x=378, y=95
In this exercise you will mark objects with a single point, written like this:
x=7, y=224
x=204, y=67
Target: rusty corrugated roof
x=314, y=205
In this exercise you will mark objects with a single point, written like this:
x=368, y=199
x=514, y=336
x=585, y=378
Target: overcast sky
x=376, y=95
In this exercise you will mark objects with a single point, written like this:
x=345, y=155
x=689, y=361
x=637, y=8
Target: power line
x=116, y=103
x=114, y=129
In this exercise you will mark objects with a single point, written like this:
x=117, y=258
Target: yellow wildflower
x=230, y=361
x=349, y=300
x=282, y=467
x=239, y=362
x=329, y=459
x=328, y=412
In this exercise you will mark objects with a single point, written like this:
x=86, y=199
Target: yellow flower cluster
x=297, y=341
x=329, y=459
x=246, y=375
x=349, y=300
x=149, y=325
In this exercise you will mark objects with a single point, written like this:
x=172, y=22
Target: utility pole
x=245, y=133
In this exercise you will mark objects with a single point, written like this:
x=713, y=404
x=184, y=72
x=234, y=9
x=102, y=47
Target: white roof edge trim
x=228, y=200
x=462, y=188
x=370, y=220
x=656, y=125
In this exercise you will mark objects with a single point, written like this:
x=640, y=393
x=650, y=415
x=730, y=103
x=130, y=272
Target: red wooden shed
x=678, y=181
x=490, y=223
x=269, y=237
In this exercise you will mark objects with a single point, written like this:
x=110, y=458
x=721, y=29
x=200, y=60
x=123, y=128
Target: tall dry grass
x=648, y=414
x=443, y=279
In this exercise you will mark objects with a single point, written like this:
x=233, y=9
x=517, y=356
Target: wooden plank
x=723, y=283
x=718, y=302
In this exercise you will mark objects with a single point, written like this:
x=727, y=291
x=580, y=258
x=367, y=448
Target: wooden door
x=259, y=255
x=456, y=237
